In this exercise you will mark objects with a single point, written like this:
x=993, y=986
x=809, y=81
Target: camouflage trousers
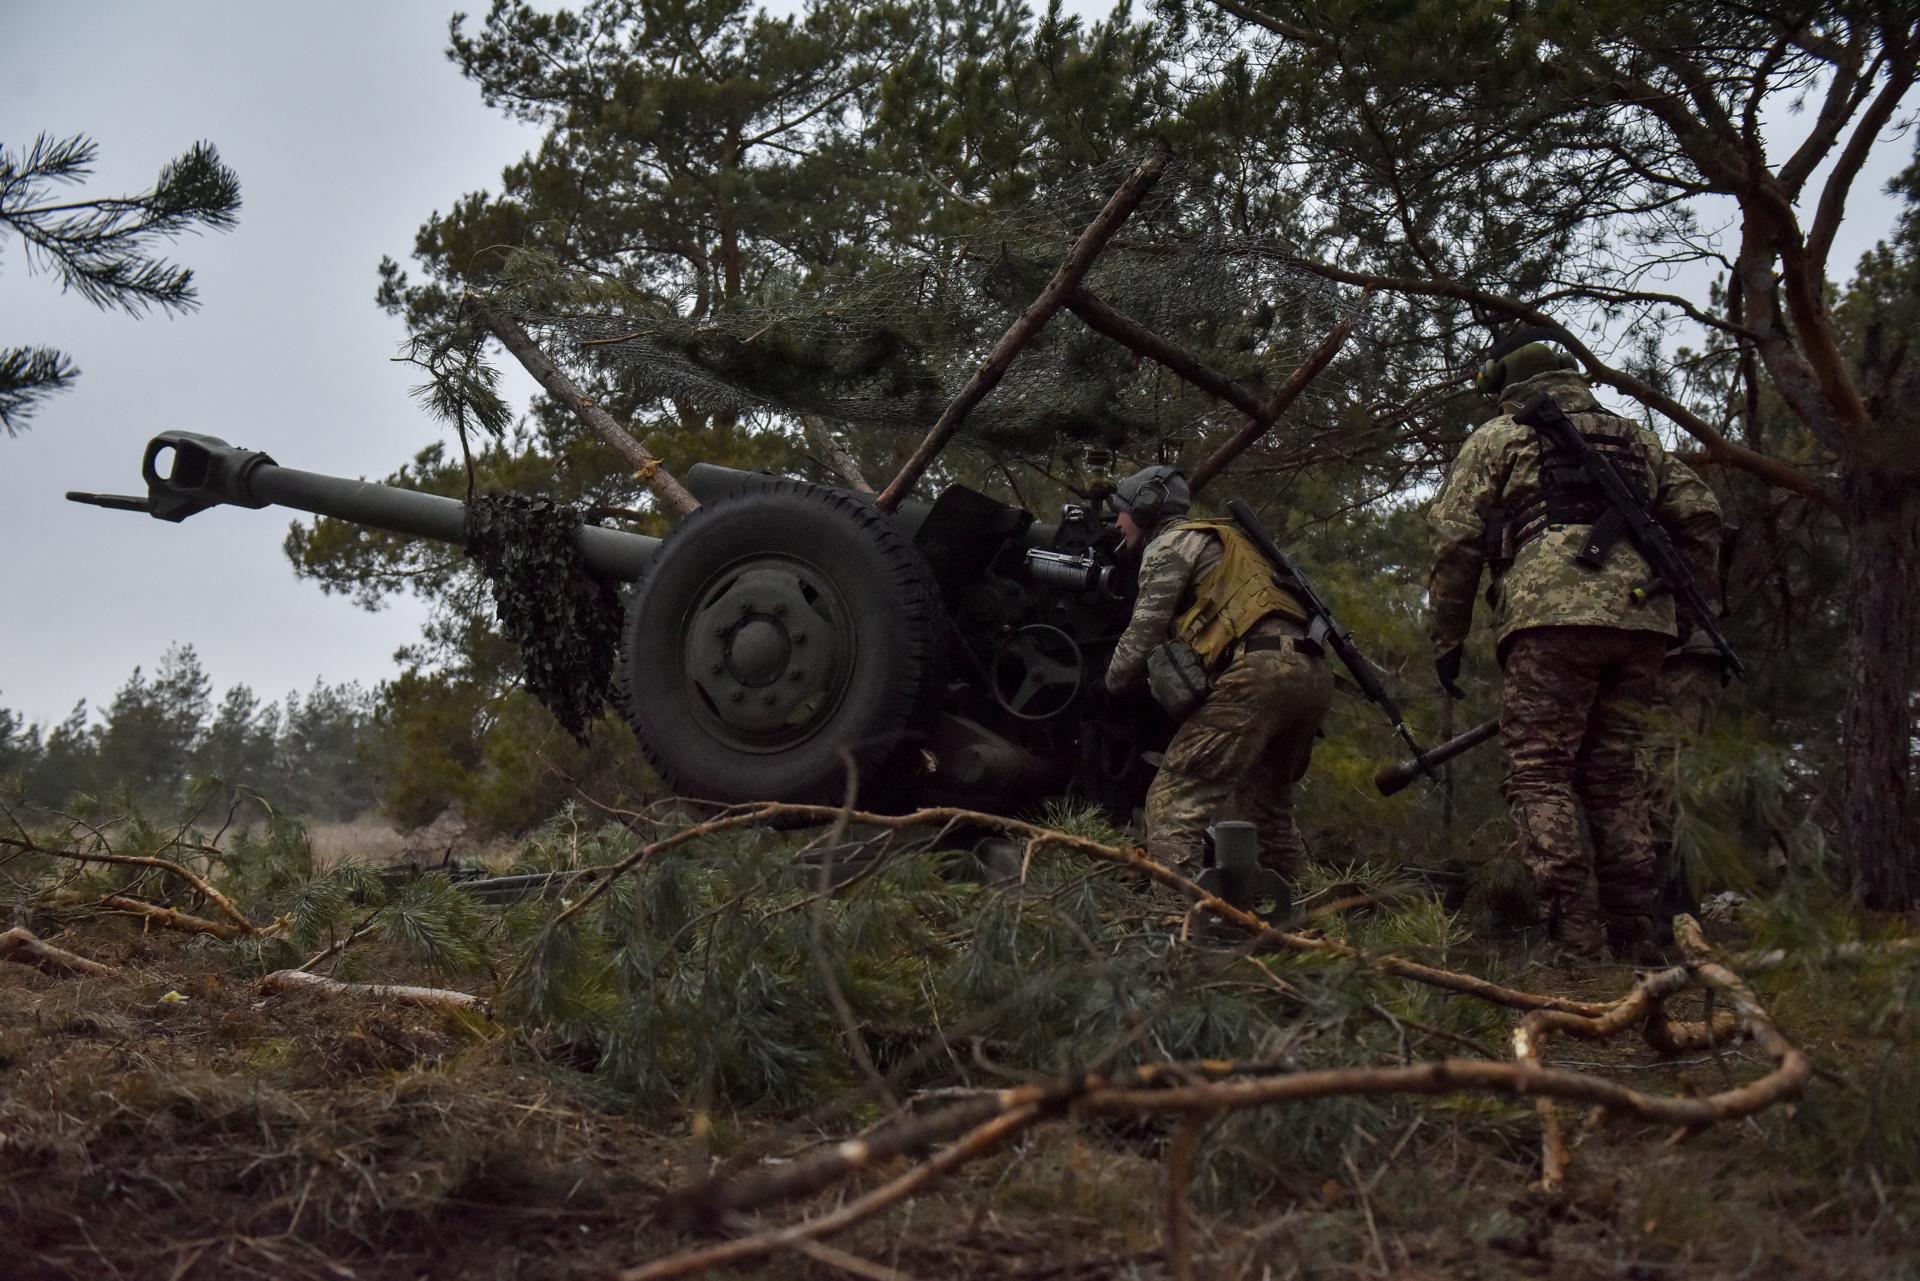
x=1238, y=756
x=1573, y=709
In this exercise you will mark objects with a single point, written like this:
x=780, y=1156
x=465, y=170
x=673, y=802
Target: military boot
x=1576, y=937
x=1572, y=920
x=1631, y=939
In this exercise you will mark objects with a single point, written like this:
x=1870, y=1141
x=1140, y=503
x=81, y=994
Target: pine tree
x=151, y=727
x=101, y=247
x=67, y=762
x=19, y=745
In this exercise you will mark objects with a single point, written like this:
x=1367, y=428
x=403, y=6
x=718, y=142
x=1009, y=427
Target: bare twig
x=852, y=1264
x=1197, y=1090
x=1179, y=1214
x=367, y=926
x=817, y=944
x=514, y=337
x=841, y=463
x=981, y=1139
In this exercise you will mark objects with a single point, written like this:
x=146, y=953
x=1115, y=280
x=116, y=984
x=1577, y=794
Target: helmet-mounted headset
x=1153, y=494
x=1521, y=355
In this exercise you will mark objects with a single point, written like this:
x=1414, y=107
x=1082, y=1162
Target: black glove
x=1447, y=668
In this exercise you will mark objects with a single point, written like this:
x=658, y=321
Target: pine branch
x=172, y=918
x=28, y=374
x=1040, y=838
x=100, y=248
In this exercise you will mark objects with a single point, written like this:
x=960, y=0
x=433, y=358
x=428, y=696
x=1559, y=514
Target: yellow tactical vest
x=1235, y=595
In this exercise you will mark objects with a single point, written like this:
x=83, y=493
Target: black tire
x=727, y=677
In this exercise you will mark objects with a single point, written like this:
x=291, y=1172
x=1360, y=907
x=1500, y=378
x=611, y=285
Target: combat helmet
x=1153, y=494
x=1525, y=353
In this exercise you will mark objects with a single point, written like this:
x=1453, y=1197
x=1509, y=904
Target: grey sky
x=348, y=127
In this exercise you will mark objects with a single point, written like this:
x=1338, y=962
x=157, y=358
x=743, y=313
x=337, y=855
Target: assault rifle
x=1626, y=513
x=1323, y=630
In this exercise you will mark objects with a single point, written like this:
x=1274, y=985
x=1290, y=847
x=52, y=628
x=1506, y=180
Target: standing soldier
x=1580, y=648
x=1237, y=754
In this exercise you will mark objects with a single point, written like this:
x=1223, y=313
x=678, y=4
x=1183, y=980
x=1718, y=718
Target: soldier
x=1580, y=649
x=1204, y=586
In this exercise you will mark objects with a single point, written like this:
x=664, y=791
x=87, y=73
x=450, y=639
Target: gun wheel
x=777, y=631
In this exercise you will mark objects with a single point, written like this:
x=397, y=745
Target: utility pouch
x=1177, y=678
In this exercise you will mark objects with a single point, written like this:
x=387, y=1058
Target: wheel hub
x=758, y=652
x=761, y=648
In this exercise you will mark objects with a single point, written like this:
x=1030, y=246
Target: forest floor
x=171, y=1121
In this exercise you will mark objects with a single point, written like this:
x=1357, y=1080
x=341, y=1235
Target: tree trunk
x=1883, y=568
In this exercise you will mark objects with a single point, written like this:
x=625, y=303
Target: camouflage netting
x=891, y=347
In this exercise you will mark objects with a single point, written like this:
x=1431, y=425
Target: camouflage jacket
x=1499, y=467
x=1177, y=559
x=1174, y=560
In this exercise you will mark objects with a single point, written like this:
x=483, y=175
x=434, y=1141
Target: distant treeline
x=312, y=755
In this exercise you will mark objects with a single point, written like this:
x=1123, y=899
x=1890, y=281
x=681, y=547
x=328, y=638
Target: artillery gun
x=950, y=650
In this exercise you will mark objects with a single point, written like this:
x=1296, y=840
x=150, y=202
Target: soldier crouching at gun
x=1225, y=649
x=1593, y=535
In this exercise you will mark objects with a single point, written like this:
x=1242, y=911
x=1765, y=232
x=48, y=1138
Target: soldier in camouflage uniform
x=1240, y=752
x=1580, y=657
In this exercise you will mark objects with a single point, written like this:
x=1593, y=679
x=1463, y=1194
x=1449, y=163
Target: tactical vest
x=1233, y=596
x=1566, y=496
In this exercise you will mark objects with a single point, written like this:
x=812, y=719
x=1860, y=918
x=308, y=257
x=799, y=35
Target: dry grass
x=372, y=840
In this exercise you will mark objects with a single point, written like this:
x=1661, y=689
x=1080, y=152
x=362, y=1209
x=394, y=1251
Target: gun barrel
x=1392, y=778
x=188, y=473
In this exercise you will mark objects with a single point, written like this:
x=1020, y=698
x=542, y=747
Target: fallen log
x=23, y=947
x=429, y=997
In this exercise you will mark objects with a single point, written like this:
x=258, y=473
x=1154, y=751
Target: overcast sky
x=347, y=126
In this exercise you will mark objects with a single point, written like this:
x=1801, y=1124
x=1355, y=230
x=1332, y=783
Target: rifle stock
x=1396, y=776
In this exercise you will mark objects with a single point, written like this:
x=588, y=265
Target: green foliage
x=267, y=870
x=1736, y=816
x=462, y=390
x=700, y=985
x=1866, y=1000
x=101, y=248
x=501, y=760
x=271, y=873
